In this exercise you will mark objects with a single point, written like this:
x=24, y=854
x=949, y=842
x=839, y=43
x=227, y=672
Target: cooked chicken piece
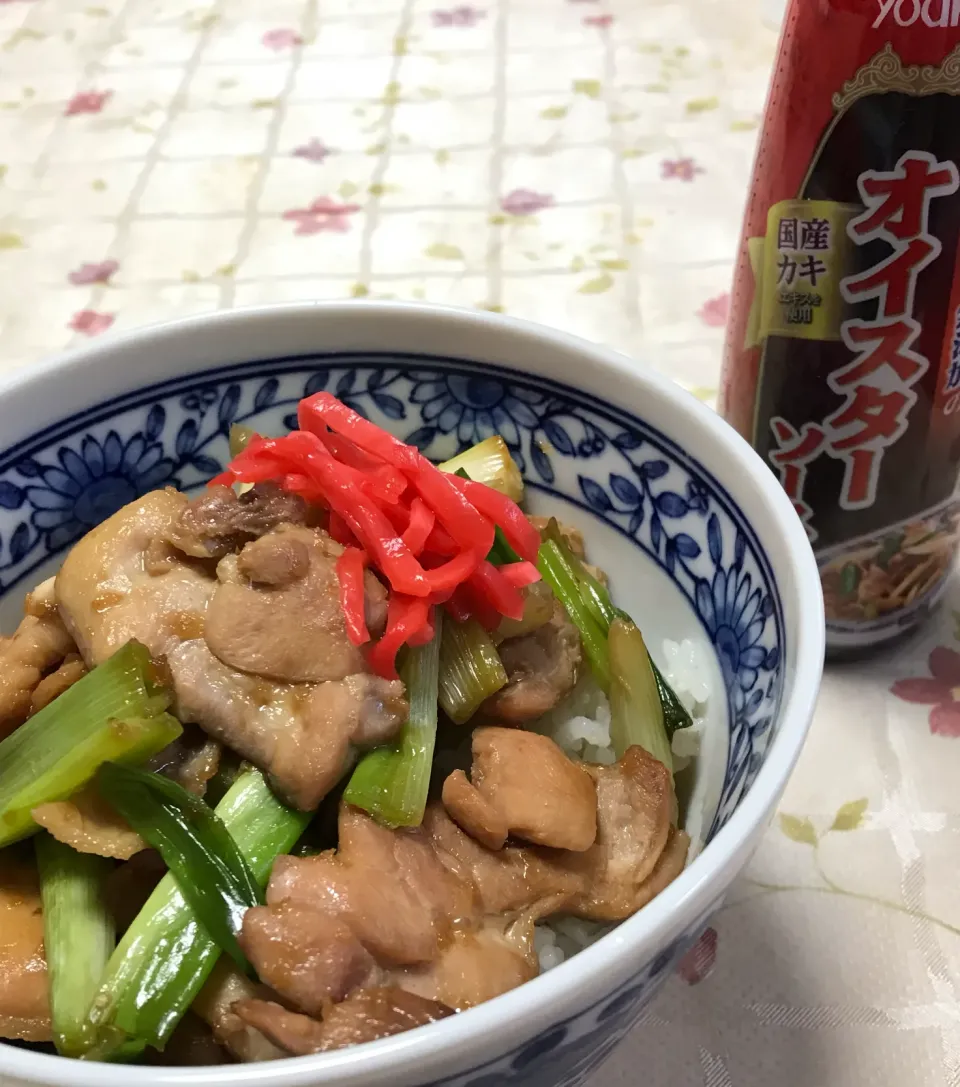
x=308, y=957
x=302, y=735
x=42, y=601
x=36, y=647
x=607, y=882
x=669, y=865
x=634, y=809
x=53, y=685
x=473, y=812
x=293, y=631
x=541, y=669
x=214, y=1004
x=389, y=886
x=292, y=1034
x=220, y=521
x=364, y=709
x=539, y=793
x=434, y=912
x=365, y=1017
x=416, y=910
x=107, y=597
x=24, y=1007
x=191, y=760
x=517, y=879
x=277, y=560
x=572, y=536
x=476, y=965
x=378, y=1013
x=160, y=557
x=88, y=824
x=199, y=768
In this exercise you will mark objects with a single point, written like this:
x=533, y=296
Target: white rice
x=686, y=670
x=581, y=726
x=545, y=942
x=581, y=721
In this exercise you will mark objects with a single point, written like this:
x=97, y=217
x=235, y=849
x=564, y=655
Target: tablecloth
x=582, y=163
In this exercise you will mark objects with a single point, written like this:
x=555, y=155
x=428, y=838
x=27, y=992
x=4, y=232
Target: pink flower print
x=941, y=690
x=682, y=169
x=601, y=21
x=313, y=151
x=699, y=960
x=323, y=214
x=87, y=102
x=93, y=273
x=91, y=323
x=461, y=16
x=525, y=202
x=715, y=311
x=281, y=38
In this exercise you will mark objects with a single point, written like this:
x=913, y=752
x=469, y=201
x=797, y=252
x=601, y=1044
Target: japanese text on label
x=877, y=384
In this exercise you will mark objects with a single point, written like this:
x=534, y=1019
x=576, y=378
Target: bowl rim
x=675, y=908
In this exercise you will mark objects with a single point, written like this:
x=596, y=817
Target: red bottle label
x=842, y=361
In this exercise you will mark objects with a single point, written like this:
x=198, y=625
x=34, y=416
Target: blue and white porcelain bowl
x=698, y=537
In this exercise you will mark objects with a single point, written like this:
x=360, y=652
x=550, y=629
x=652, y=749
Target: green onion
x=849, y=578
x=239, y=439
x=556, y=570
x=594, y=593
x=113, y=713
x=890, y=546
x=596, y=599
x=166, y=955
x=501, y=553
x=240, y=436
x=614, y=648
x=636, y=713
x=78, y=936
x=392, y=782
x=538, y=608
x=470, y=669
x=195, y=845
x=128, y=740
x=675, y=714
x=489, y=462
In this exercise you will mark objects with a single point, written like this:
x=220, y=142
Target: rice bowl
x=714, y=785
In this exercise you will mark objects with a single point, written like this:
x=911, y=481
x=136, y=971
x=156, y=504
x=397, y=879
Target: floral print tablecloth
x=580, y=162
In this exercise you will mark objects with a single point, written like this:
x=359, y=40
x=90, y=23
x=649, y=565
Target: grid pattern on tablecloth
x=575, y=163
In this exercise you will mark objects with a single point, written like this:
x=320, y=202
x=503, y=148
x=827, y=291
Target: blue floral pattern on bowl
x=614, y=466
x=86, y=486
